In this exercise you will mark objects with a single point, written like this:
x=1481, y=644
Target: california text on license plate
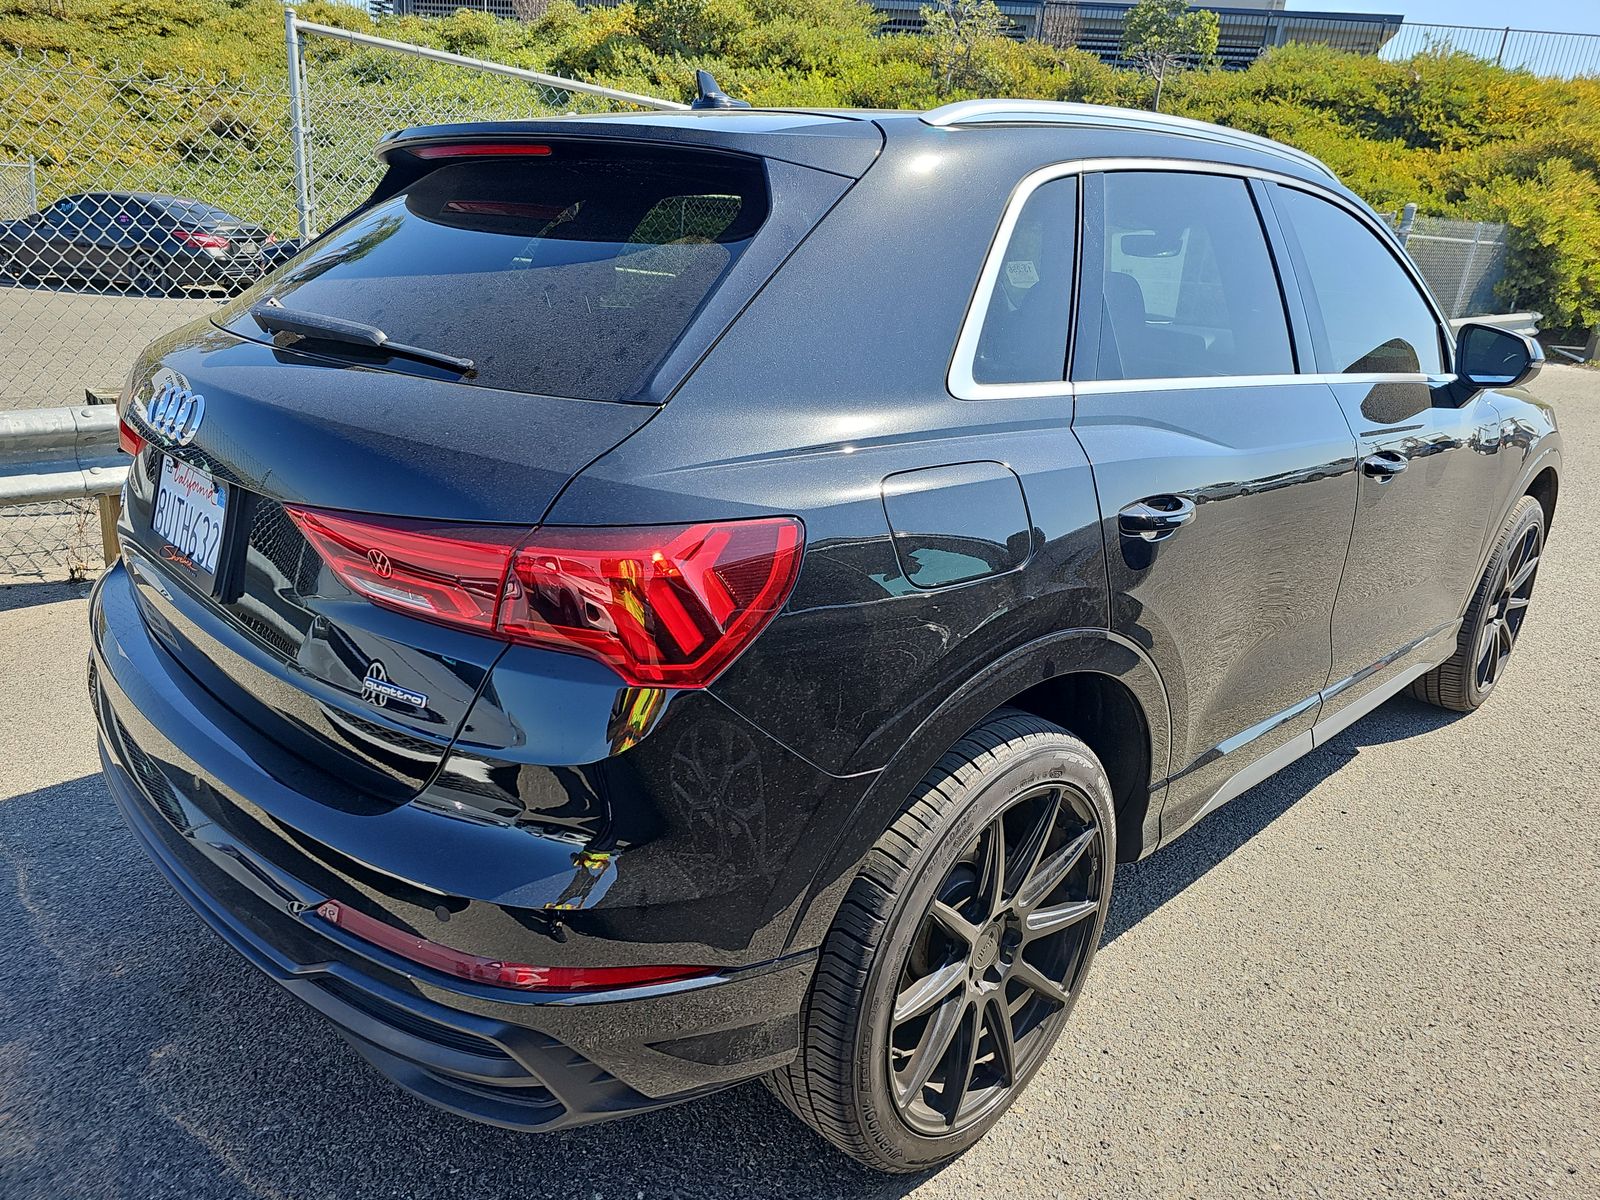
x=190, y=510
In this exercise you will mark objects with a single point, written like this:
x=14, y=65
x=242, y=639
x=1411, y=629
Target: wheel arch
x=1545, y=487
x=1091, y=682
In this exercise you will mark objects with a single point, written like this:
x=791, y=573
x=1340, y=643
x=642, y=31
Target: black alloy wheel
x=1508, y=609
x=998, y=958
x=959, y=950
x=1494, y=619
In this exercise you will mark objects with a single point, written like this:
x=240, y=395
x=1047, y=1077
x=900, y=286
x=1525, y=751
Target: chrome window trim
x=962, y=385
x=1107, y=387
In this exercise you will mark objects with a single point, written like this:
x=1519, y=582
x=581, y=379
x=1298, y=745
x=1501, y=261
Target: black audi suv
x=652, y=601
x=150, y=242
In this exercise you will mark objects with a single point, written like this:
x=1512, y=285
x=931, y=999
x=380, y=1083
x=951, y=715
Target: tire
x=1494, y=618
x=1037, y=793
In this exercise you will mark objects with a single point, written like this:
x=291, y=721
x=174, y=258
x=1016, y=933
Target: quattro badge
x=377, y=690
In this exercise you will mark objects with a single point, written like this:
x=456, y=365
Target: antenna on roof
x=711, y=96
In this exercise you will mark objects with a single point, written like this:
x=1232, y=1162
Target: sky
x=1568, y=16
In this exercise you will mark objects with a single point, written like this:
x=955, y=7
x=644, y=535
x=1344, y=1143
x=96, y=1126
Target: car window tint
x=571, y=275
x=1367, y=313
x=1024, y=336
x=1187, y=283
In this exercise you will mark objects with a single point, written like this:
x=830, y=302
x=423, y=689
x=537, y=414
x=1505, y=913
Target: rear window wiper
x=275, y=318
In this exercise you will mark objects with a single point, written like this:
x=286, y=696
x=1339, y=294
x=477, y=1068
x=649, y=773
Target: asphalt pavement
x=1373, y=975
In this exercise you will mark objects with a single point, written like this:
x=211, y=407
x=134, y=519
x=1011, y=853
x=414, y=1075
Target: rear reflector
x=482, y=150
x=662, y=605
x=129, y=438
x=521, y=976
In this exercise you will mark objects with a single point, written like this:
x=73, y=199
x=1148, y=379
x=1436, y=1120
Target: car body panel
x=959, y=554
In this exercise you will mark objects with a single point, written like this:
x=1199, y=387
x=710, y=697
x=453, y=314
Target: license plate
x=191, y=510
x=247, y=247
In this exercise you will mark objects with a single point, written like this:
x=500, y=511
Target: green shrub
x=1455, y=135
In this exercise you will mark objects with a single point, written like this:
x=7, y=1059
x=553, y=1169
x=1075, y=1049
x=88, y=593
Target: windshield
x=568, y=273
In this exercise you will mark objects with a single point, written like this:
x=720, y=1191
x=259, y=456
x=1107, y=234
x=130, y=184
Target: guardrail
x=1524, y=322
x=52, y=454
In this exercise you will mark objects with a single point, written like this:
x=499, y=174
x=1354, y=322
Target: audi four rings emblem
x=175, y=412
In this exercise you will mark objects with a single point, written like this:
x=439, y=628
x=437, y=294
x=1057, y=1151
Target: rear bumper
x=520, y=1060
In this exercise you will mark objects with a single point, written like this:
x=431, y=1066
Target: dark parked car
x=139, y=240
x=650, y=602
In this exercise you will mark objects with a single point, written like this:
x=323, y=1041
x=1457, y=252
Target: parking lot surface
x=58, y=339
x=1373, y=975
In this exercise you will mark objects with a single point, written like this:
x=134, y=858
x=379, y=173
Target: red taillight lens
x=492, y=971
x=482, y=150
x=201, y=241
x=129, y=438
x=664, y=605
x=445, y=573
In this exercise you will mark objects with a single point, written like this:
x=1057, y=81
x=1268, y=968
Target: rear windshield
x=570, y=273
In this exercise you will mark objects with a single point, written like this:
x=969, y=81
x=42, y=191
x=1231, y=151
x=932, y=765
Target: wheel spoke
x=1516, y=602
x=1049, y=873
x=954, y=922
x=933, y=1047
x=1043, y=921
x=1025, y=973
x=965, y=1062
x=1025, y=860
x=928, y=991
x=1507, y=640
x=1485, y=647
x=1005, y=1046
x=992, y=886
x=1524, y=573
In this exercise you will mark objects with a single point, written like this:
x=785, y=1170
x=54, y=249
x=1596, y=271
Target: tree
x=1060, y=24
x=963, y=33
x=1165, y=35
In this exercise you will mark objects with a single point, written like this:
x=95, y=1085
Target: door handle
x=1156, y=518
x=1383, y=466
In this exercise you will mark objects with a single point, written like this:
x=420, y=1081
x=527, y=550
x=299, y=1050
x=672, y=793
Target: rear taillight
x=201, y=241
x=522, y=976
x=445, y=573
x=663, y=605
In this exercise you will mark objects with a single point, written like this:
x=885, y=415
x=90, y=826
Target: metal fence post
x=1460, y=301
x=297, y=124
x=1500, y=54
x=1408, y=218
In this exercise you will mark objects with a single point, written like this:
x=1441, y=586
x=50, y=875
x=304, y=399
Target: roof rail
x=1059, y=112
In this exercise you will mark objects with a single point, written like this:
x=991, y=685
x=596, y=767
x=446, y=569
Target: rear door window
x=1024, y=337
x=1187, y=286
x=571, y=273
x=1367, y=314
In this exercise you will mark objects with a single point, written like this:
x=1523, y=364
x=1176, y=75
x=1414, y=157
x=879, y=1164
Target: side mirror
x=1490, y=357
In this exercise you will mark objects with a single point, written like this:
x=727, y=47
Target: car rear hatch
x=545, y=304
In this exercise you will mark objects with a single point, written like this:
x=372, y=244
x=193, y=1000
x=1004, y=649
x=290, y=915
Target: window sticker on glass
x=1022, y=273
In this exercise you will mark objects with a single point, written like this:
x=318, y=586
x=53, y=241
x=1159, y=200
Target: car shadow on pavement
x=1143, y=887
x=30, y=593
x=139, y=1056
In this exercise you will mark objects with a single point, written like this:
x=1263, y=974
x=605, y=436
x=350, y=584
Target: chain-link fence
x=19, y=197
x=57, y=540
x=1463, y=261
x=131, y=203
